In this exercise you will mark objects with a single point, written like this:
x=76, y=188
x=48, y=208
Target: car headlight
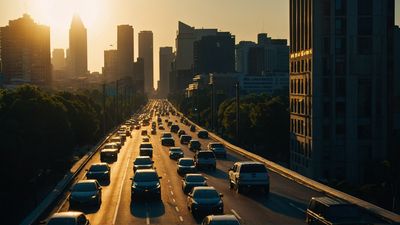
x=94, y=196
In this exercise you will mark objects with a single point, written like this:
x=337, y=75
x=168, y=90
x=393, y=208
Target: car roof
x=204, y=188
x=100, y=164
x=186, y=158
x=215, y=143
x=143, y=157
x=194, y=175
x=70, y=214
x=88, y=181
x=330, y=201
x=175, y=148
x=109, y=150
x=249, y=163
x=204, y=151
x=222, y=218
x=146, y=171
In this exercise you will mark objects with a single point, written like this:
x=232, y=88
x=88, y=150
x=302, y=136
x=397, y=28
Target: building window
x=364, y=45
x=340, y=26
x=365, y=7
x=340, y=109
x=364, y=26
x=326, y=85
x=340, y=45
x=364, y=132
x=340, y=67
x=340, y=7
x=340, y=87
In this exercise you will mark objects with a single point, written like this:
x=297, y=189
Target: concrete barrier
x=378, y=211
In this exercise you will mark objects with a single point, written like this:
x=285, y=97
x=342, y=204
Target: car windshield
x=110, y=146
x=62, y=221
x=145, y=177
x=84, y=187
x=98, y=168
x=195, y=142
x=115, y=139
x=146, y=146
x=167, y=135
x=208, y=193
x=141, y=161
x=186, y=162
x=217, y=145
x=253, y=168
x=342, y=211
x=206, y=155
x=195, y=179
x=176, y=150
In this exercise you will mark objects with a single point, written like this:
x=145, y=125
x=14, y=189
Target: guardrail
x=48, y=202
x=386, y=215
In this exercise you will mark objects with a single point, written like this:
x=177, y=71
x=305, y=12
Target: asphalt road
x=285, y=204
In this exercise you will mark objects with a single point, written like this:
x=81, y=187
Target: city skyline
x=102, y=25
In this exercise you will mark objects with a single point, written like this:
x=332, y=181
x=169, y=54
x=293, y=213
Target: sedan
x=192, y=180
x=142, y=162
x=167, y=141
x=175, y=153
x=205, y=201
x=186, y=165
x=146, y=183
x=85, y=192
x=99, y=171
x=220, y=220
x=69, y=218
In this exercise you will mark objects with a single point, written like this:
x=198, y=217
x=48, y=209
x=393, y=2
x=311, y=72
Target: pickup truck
x=248, y=175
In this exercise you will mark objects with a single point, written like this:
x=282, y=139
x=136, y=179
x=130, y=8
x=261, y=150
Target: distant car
x=143, y=133
x=248, y=175
x=117, y=140
x=85, y=192
x=175, y=153
x=218, y=149
x=112, y=145
x=181, y=132
x=146, y=149
x=205, y=201
x=220, y=220
x=205, y=159
x=167, y=141
x=202, y=134
x=161, y=127
x=146, y=183
x=169, y=123
x=145, y=139
x=191, y=180
x=194, y=145
x=185, y=139
x=128, y=133
x=174, y=128
x=186, y=165
x=142, y=162
x=153, y=131
x=109, y=155
x=68, y=218
x=192, y=128
x=99, y=171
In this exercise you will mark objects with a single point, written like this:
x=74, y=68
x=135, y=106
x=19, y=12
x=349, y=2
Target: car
x=112, y=145
x=218, y=149
x=167, y=141
x=186, y=165
x=99, y=171
x=185, y=139
x=181, y=132
x=175, y=153
x=153, y=131
x=161, y=127
x=194, y=145
x=191, y=180
x=142, y=162
x=205, y=201
x=85, y=193
x=144, y=133
x=146, y=149
x=220, y=220
x=174, y=128
x=169, y=123
x=166, y=135
x=117, y=140
x=109, y=155
x=146, y=139
x=248, y=175
x=146, y=183
x=192, y=128
x=68, y=218
x=326, y=210
x=205, y=159
x=123, y=137
x=202, y=134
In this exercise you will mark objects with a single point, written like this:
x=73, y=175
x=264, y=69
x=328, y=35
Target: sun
x=58, y=13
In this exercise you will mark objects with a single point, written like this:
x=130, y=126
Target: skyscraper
x=25, y=52
x=146, y=53
x=77, y=59
x=340, y=67
x=125, y=51
x=110, y=69
x=166, y=58
x=138, y=75
x=58, y=59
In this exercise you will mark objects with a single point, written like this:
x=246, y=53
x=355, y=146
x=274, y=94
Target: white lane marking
x=176, y=208
x=181, y=218
x=169, y=181
x=120, y=191
x=298, y=208
x=147, y=217
x=172, y=193
x=170, y=186
x=173, y=200
x=236, y=214
x=63, y=203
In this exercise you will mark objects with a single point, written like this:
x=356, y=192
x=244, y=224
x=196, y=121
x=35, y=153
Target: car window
x=186, y=162
x=142, y=161
x=84, y=187
x=253, y=168
x=342, y=211
x=145, y=177
x=146, y=146
x=209, y=193
x=217, y=145
x=195, y=179
x=61, y=221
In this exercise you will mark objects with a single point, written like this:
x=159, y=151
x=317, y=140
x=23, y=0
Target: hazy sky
x=243, y=18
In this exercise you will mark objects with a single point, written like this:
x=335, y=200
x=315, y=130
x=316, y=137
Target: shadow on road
x=218, y=173
x=144, y=209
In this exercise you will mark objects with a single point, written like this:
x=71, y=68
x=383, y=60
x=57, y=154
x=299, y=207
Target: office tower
x=396, y=97
x=340, y=66
x=125, y=51
x=276, y=54
x=25, y=52
x=166, y=58
x=241, y=57
x=110, y=69
x=77, y=59
x=146, y=53
x=214, y=53
x=138, y=76
x=58, y=59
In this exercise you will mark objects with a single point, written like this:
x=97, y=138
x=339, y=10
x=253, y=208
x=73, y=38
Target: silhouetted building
x=77, y=58
x=146, y=53
x=256, y=61
x=396, y=96
x=138, y=76
x=25, y=52
x=340, y=66
x=276, y=54
x=215, y=53
x=111, y=65
x=242, y=56
x=125, y=51
x=58, y=59
x=166, y=58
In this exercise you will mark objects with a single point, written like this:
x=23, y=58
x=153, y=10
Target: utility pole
x=237, y=111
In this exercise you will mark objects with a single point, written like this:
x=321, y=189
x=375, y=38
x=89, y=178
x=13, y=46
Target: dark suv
x=146, y=183
x=174, y=128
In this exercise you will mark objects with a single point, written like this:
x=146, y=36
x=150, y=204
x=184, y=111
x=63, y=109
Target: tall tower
x=125, y=50
x=77, y=61
x=166, y=58
x=146, y=53
x=340, y=68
